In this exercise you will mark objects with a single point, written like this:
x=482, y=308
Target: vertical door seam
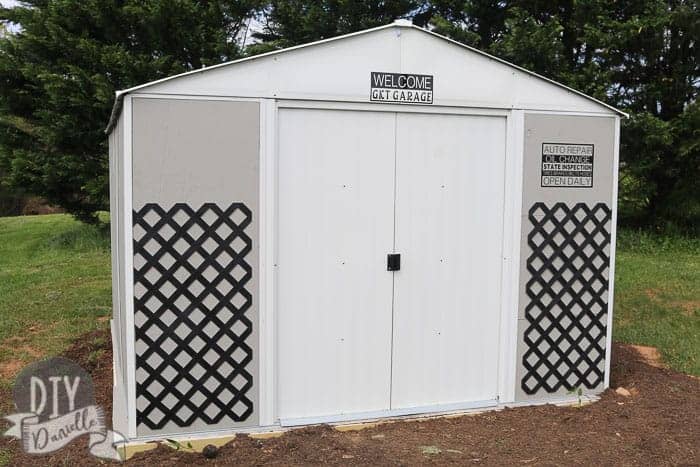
x=393, y=274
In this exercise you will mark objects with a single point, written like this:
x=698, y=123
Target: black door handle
x=393, y=262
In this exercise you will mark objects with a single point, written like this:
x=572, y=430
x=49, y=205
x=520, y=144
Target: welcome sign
x=400, y=88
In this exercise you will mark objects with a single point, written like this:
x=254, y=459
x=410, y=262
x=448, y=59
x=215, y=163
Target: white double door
x=353, y=338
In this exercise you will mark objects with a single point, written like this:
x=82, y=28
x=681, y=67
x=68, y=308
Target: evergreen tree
x=58, y=75
x=638, y=55
x=478, y=23
x=59, y=72
x=652, y=54
x=291, y=22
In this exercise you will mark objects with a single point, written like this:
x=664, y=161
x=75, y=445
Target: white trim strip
x=575, y=113
x=325, y=99
x=393, y=108
x=195, y=97
x=128, y=233
x=613, y=249
x=510, y=287
x=266, y=287
x=382, y=414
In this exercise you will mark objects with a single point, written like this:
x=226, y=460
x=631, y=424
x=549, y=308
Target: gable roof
x=402, y=24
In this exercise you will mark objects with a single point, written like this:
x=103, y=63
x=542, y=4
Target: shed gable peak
x=340, y=69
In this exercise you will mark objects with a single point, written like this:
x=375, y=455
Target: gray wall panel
x=565, y=241
x=193, y=150
x=542, y=128
x=196, y=178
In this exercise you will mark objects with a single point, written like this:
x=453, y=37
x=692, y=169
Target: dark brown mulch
x=658, y=425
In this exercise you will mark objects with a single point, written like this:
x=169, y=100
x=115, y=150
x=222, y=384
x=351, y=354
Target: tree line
x=62, y=60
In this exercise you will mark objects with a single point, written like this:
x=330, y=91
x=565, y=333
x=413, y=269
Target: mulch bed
x=659, y=424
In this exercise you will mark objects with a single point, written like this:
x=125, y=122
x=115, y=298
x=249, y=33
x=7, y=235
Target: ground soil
x=34, y=206
x=659, y=424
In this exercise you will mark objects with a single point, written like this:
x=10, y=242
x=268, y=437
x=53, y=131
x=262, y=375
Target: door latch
x=393, y=262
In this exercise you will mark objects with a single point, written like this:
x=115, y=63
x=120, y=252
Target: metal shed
x=381, y=224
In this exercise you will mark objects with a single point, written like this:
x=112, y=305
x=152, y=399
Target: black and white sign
x=401, y=88
x=566, y=165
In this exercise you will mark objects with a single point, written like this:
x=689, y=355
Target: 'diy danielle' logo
x=55, y=403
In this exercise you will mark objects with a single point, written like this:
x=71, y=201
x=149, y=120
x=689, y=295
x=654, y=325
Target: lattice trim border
x=190, y=310
x=567, y=292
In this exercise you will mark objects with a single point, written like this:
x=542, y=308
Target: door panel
x=336, y=172
x=449, y=205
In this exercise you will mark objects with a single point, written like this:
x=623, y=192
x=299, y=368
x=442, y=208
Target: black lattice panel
x=567, y=292
x=190, y=303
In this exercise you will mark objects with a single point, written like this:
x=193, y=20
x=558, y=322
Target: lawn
x=55, y=286
x=657, y=296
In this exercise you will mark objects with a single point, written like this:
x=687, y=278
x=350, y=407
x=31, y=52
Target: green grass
x=55, y=284
x=657, y=296
x=5, y=457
